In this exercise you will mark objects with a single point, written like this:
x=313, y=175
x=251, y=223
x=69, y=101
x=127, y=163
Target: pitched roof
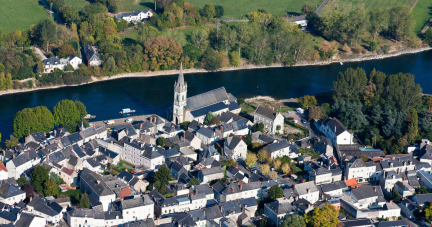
x=206, y=132
x=125, y=192
x=206, y=99
x=233, y=141
x=266, y=112
x=211, y=171
x=278, y=145
x=8, y=190
x=366, y=192
x=306, y=188
x=212, y=108
x=335, y=125
x=95, y=182
x=3, y=167
x=21, y=160
x=351, y=182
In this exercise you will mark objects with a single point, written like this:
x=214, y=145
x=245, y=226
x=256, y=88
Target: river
x=155, y=94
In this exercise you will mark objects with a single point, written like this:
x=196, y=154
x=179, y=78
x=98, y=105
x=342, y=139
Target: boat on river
x=127, y=111
x=89, y=117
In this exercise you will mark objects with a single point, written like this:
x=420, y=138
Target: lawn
x=76, y=4
x=133, y=5
x=348, y=5
x=235, y=9
x=247, y=108
x=12, y=11
x=73, y=195
x=422, y=14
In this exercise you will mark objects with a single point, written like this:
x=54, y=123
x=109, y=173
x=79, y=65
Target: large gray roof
x=95, y=182
x=211, y=171
x=206, y=99
x=335, y=125
x=20, y=160
x=301, y=189
x=266, y=112
x=278, y=145
x=366, y=192
x=8, y=190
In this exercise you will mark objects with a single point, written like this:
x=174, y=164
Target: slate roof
x=78, y=151
x=92, y=162
x=194, y=125
x=233, y=141
x=278, y=146
x=212, y=108
x=211, y=171
x=7, y=190
x=301, y=189
x=21, y=160
x=366, y=192
x=400, y=223
x=170, y=152
x=57, y=156
x=423, y=198
x=25, y=220
x=51, y=61
x=91, y=53
x=335, y=125
x=206, y=99
x=206, y=132
x=281, y=208
x=151, y=152
x=357, y=222
x=74, y=137
x=92, y=178
x=266, y=112
x=125, y=176
x=333, y=186
x=229, y=116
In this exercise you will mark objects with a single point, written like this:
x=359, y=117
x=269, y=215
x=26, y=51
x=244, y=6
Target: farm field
x=76, y=4
x=235, y=9
x=133, y=5
x=10, y=20
x=422, y=13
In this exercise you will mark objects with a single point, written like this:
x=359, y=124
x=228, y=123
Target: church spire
x=180, y=78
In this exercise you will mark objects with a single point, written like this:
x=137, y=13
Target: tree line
x=66, y=113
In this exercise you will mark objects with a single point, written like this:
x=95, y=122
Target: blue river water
x=155, y=94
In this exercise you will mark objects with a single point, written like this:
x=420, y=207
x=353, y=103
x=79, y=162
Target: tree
x=230, y=162
x=146, y=33
x=265, y=169
x=57, y=178
x=401, y=22
x=396, y=196
x=219, y=11
x=307, y=9
x=413, y=127
x=28, y=189
x=258, y=127
x=194, y=181
x=45, y=32
x=65, y=50
x=373, y=46
x=211, y=60
x=82, y=109
x=324, y=217
x=208, y=118
x=162, y=53
x=199, y=38
x=275, y=192
x=84, y=201
x=161, y=141
x=273, y=175
x=427, y=37
x=425, y=119
x=286, y=168
x=264, y=223
x=378, y=21
x=109, y=65
x=262, y=155
x=22, y=180
x=277, y=163
x=365, y=158
x=428, y=212
x=315, y=113
x=307, y=101
x=251, y=158
x=11, y=142
x=293, y=221
x=69, y=114
x=50, y=188
x=163, y=175
x=32, y=120
x=209, y=11
x=248, y=139
x=350, y=85
x=422, y=190
x=38, y=176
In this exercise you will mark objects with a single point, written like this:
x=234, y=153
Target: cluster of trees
x=41, y=182
x=15, y=65
x=66, y=113
x=160, y=180
x=387, y=111
x=351, y=27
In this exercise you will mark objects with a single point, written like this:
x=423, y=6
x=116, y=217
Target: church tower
x=180, y=90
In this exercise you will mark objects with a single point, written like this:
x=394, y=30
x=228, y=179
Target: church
x=217, y=101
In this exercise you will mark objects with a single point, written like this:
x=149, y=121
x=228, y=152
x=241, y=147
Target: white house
x=92, y=57
x=279, y=149
x=74, y=60
x=85, y=217
x=137, y=153
x=3, y=172
x=207, y=136
x=10, y=194
x=277, y=210
x=235, y=148
x=60, y=63
x=140, y=207
x=20, y=164
x=307, y=191
x=271, y=119
x=360, y=170
x=333, y=129
x=136, y=16
x=300, y=20
x=207, y=175
x=93, y=184
x=28, y=220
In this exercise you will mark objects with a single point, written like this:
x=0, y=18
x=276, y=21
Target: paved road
x=40, y=52
x=52, y=12
x=321, y=6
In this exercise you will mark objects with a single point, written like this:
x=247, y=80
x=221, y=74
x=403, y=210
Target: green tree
x=82, y=109
x=163, y=175
x=32, y=120
x=251, y=158
x=84, y=201
x=293, y=221
x=324, y=217
x=262, y=155
x=38, y=177
x=211, y=60
x=307, y=9
x=45, y=32
x=22, y=180
x=11, y=142
x=146, y=33
x=161, y=141
x=109, y=65
x=401, y=22
x=50, y=188
x=258, y=127
x=230, y=162
x=427, y=36
x=428, y=212
x=248, y=139
x=275, y=192
x=57, y=178
x=422, y=190
x=67, y=114
x=350, y=85
x=396, y=196
x=307, y=101
x=378, y=21
x=265, y=169
x=209, y=11
x=219, y=11
x=413, y=127
x=194, y=181
x=373, y=46
x=208, y=118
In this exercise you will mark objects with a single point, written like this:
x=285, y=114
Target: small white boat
x=127, y=111
x=341, y=63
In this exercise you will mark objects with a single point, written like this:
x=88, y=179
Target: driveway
x=40, y=53
x=321, y=6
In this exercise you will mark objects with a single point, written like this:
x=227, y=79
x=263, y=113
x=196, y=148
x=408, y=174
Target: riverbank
x=243, y=67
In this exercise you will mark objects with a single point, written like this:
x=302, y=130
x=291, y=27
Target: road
x=54, y=14
x=321, y=6
x=40, y=52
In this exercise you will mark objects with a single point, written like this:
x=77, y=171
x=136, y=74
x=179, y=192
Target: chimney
x=220, y=208
x=374, y=189
x=240, y=187
x=94, y=126
x=154, y=119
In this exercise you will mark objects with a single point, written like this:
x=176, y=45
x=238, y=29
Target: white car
x=129, y=120
x=295, y=121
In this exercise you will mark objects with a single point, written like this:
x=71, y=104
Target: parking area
x=295, y=116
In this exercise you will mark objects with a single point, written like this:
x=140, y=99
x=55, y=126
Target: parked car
x=129, y=120
x=303, y=121
x=295, y=121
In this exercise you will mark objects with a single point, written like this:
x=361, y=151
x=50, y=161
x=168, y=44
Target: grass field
x=20, y=14
x=77, y=4
x=235, y=9
x=132, y=5
x=422, y=13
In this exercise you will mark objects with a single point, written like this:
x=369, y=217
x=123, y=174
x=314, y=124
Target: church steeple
x=180, y=96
